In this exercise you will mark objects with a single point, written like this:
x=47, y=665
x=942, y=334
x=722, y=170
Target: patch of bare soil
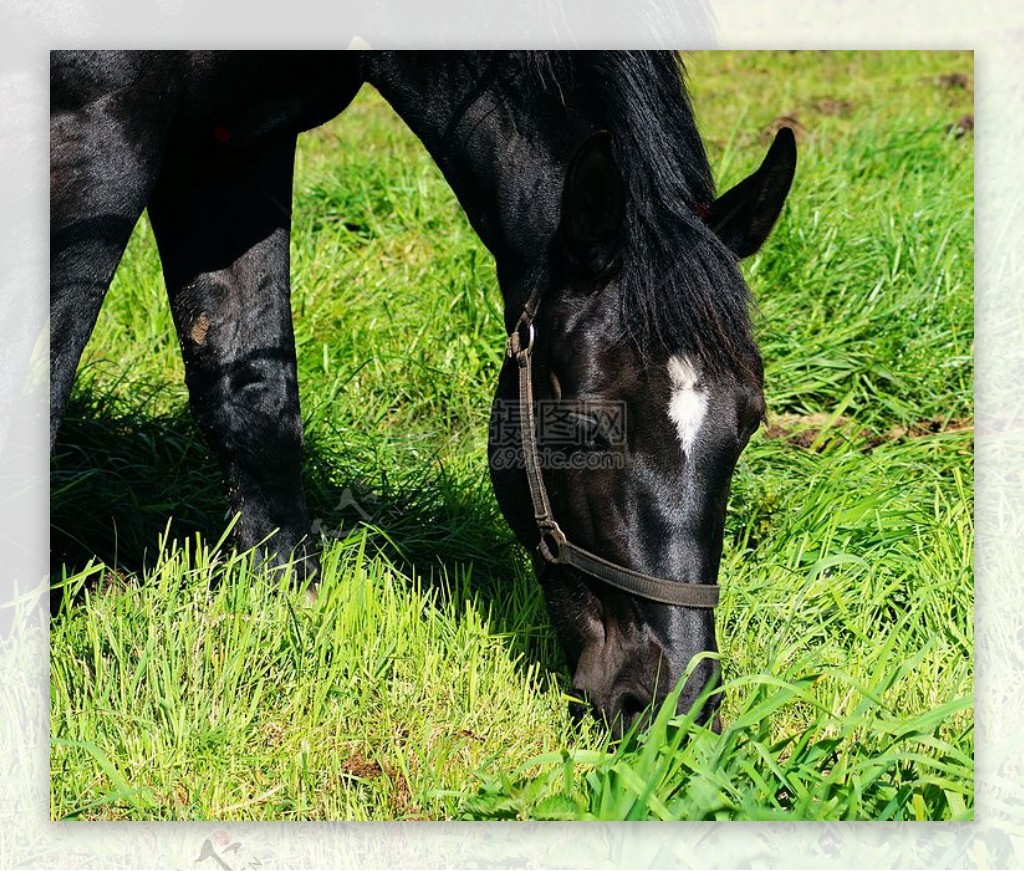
x=791, y=120
x=956, y=82
x=830, y=106
x=358, y=765
x=962, y=126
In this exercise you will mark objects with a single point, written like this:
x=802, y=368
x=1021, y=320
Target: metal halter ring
x=515, y=342
x=551, y=540
x=532, y=334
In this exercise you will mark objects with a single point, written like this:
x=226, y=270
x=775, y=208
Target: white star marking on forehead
x=688, y=403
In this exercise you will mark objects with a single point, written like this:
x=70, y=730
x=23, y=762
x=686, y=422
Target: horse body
x=206, y=141
x=585, y=177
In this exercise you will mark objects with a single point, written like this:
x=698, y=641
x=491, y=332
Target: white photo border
x=995, y=30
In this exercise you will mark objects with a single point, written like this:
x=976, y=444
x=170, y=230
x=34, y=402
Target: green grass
x=426, y=681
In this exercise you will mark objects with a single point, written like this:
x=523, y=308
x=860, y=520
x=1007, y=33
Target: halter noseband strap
x=554, y=547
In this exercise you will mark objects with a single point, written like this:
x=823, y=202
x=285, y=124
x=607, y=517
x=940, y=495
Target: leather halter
x=554, y=547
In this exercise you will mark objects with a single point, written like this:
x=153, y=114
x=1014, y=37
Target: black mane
x=681, y=287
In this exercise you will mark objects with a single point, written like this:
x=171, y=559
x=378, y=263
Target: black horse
x=585, y=176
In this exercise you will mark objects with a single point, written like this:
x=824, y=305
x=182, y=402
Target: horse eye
x=752, y=428
x=590, y=434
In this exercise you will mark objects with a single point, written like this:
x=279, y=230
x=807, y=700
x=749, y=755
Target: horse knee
x=251, y=409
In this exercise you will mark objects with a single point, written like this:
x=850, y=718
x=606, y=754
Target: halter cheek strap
x=554, y=547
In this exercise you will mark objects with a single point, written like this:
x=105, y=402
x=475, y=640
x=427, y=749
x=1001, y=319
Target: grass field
x=426, y=682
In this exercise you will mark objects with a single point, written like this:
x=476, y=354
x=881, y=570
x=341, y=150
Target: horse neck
x=503, y=154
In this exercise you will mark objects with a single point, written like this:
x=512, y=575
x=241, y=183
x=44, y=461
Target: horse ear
x=593, y=206
x=744, y=215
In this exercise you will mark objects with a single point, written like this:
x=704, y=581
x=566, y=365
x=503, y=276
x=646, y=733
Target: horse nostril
x=626, y=707
x=616, y=713
x=629, y=704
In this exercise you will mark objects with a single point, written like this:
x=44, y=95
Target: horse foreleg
x=101, y=173
x=223, y=237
